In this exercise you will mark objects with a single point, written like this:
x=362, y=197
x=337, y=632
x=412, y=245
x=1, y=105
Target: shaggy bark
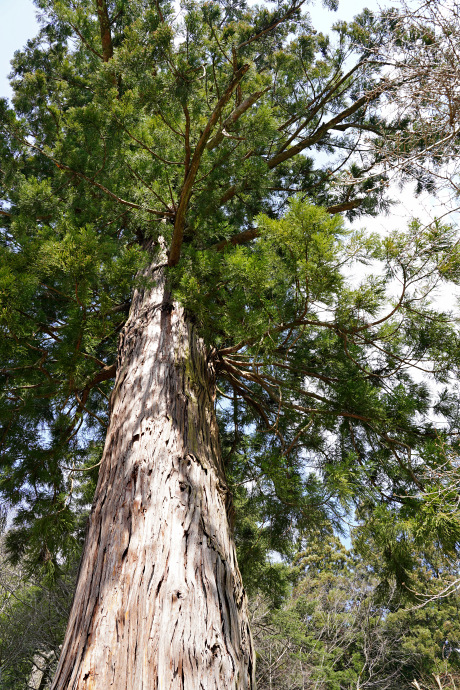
x=159, y=601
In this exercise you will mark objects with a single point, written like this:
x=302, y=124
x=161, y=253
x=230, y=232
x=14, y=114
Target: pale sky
x=17, y=25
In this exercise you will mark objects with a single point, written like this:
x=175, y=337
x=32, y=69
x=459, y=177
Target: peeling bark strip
x=159, y=602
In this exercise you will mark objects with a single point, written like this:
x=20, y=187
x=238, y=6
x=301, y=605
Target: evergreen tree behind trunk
x=159, y=601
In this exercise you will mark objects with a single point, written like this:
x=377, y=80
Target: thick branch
x=306, y=143
x=240, y=238
x=104, y=374
x=320, y=132
x=345, y=206
x=104, y=25
x=321, y=100
x=176, y=243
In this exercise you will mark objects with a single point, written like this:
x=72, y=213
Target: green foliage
x=255, y=542
x=33, y=618
x=221, y=114
x=327, y=373
x=336, y=396
x=334, y=633
x=243, y=292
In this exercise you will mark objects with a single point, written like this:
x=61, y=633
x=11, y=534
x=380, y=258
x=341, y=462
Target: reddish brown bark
x=159, y=600
x=104, y=26
x=187, y=187
x=240, y=238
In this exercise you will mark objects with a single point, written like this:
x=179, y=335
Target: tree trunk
x=159, y=602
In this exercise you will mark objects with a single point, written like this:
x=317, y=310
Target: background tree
x=338, y=630
x=33, y=617
x=136, y=161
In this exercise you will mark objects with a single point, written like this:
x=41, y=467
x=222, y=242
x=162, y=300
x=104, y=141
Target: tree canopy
x=232, y=137
x=220, y=146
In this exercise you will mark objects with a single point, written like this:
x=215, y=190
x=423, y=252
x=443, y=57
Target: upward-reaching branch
x=308, y=142
x=321, y=131
x=104, y=25
x=176, y=243
x=234, y=116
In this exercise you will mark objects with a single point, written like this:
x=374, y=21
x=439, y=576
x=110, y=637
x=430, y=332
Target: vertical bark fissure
x=159, y=600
